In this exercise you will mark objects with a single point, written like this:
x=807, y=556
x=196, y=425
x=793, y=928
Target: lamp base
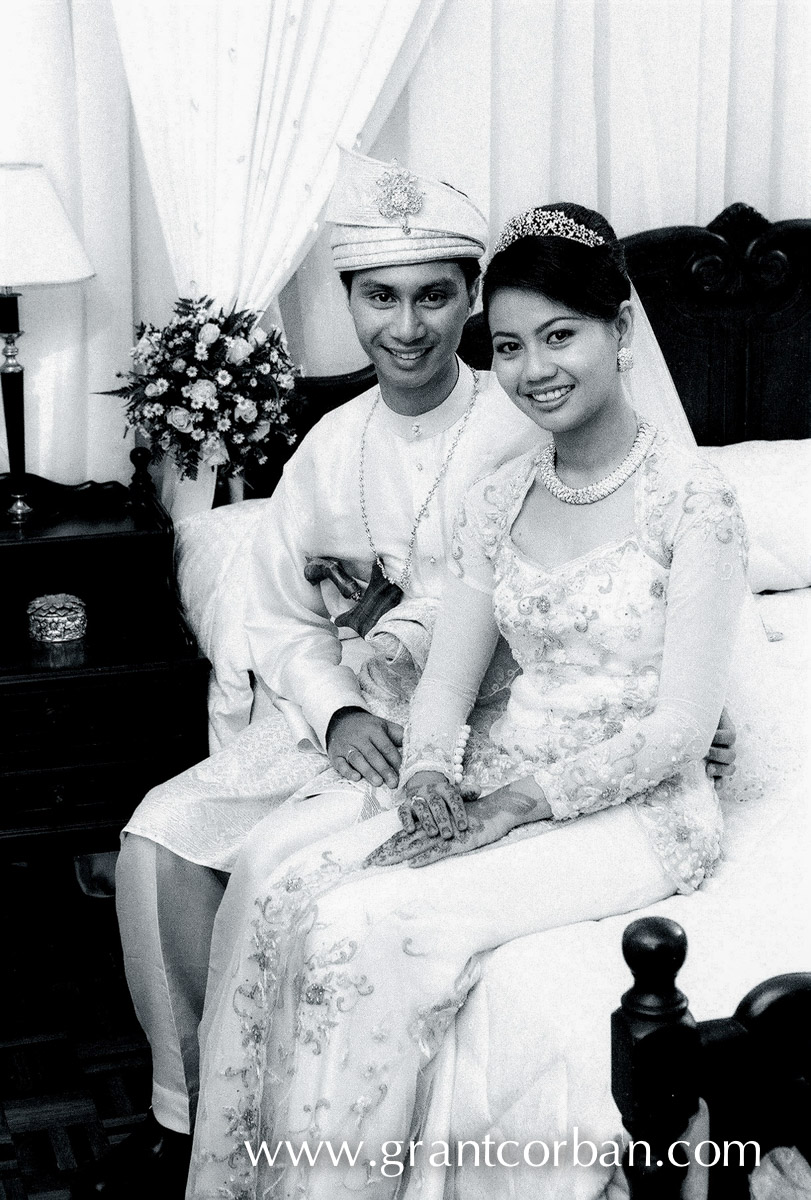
x=29, y=503
x=19, y=511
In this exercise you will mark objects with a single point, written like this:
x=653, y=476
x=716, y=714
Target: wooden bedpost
x=654, y=1059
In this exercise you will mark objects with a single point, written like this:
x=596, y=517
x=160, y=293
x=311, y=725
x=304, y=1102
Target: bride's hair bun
x=591, y=280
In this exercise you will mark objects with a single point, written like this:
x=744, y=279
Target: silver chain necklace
x=601, y=487
x=405, y=578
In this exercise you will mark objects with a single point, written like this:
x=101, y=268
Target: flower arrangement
x=209, y=387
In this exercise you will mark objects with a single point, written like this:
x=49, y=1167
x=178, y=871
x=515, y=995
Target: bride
x=613, y=561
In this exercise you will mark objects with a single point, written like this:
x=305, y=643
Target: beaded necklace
x=405, y=578
x=601, y=487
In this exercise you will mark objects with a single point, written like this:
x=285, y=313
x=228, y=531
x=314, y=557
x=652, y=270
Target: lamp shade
x=37, y=242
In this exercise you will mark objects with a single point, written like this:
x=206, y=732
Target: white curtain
x=656, y=112
x=64, y=102
x=239, y=105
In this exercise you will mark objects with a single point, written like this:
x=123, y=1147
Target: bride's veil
x=750, y=702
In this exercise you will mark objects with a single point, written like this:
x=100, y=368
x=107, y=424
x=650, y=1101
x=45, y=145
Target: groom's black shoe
x=151, y=1161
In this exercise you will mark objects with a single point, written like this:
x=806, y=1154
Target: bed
x=531, y=1061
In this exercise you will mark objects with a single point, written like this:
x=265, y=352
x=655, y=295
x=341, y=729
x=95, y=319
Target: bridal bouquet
x=209, y=387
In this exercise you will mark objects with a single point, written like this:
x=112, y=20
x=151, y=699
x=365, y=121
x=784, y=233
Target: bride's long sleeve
x=705, y=594
x=464, y=639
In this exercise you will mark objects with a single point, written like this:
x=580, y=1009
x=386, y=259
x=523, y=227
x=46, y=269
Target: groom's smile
x=409, y=320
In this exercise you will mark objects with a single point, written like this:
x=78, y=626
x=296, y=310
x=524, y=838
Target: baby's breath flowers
x=210, y=387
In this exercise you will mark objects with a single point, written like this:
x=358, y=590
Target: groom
x=378, y=480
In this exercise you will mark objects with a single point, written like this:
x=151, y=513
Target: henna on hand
x=435, y=805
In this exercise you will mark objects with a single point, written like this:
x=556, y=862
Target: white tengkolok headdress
x=385, y=216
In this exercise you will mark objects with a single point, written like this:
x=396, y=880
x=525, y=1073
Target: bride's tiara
x=544, y=222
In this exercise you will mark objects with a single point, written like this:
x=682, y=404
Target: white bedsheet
x=533, y=1043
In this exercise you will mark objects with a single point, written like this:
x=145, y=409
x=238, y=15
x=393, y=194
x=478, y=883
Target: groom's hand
x=362, y=746
x=720, y=762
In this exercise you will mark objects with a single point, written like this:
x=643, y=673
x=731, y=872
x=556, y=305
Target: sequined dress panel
x=589, y=637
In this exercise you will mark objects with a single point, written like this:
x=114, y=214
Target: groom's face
x=409, y=319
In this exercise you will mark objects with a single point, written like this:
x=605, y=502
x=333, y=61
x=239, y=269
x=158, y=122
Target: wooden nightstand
x=86, y=728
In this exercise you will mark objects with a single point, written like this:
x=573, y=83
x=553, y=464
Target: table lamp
x=38, y=247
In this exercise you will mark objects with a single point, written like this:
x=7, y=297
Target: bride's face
x=558, y=366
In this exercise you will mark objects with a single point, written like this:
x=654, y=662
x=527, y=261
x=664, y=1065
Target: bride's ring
x=417, y=799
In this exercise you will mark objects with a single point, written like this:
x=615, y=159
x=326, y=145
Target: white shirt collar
x=429, y=424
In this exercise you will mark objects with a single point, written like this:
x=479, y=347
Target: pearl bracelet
x=459, y=753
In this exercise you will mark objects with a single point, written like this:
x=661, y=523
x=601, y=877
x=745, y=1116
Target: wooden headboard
x=731, y=307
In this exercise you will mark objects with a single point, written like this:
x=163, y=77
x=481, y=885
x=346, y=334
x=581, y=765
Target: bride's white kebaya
x=613, y=561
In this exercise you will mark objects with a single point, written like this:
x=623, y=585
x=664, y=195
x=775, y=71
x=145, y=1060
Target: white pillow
x=773, y=484
x=212, y=554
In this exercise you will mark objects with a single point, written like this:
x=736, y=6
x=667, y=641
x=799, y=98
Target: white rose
x=203, y=392
x=151, y=390
x=239, y=350
x=180, y=418
x=179, y=365
x=209, y=334
x=247, y=411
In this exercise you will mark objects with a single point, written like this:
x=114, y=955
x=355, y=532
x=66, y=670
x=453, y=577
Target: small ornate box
x=57, y=618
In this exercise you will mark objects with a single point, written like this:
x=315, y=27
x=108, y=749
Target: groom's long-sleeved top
x=316, y=511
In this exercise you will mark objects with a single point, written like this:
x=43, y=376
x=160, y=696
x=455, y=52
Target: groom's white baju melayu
x=293, y=644
x=205, y=816
x=344, y=982
x=195, y=826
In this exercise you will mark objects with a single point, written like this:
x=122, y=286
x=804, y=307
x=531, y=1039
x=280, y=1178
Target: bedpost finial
x=655, y=949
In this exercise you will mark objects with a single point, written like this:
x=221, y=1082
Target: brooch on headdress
x=398, y=197
x=543, y=222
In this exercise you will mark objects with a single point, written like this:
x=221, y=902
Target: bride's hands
x=434, y=805
x=483, y=824
x=486, y=821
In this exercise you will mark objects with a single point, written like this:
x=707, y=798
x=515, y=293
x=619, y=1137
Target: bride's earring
x=625, y=359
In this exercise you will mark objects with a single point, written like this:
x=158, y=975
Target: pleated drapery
x=655, y=112
x=239, y=106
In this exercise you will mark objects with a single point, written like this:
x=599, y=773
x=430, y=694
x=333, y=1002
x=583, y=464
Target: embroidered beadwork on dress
x=588, y=638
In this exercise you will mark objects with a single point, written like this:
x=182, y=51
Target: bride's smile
x=556, y=365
